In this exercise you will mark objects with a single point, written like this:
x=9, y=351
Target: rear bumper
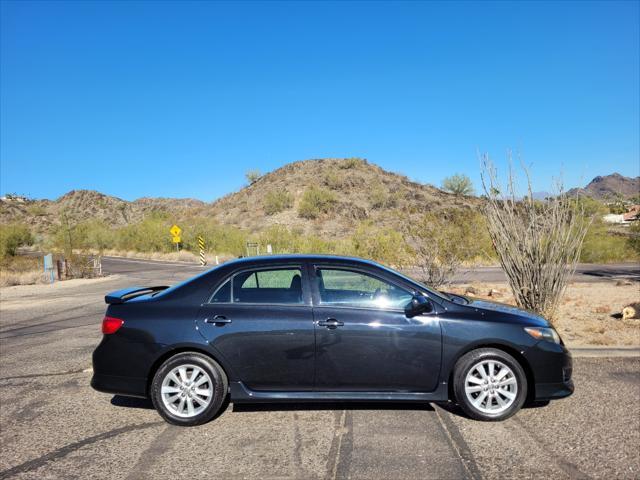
x=128, y=386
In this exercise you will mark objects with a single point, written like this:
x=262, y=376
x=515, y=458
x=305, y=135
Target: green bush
x=458, y=184
x=633, y=242
x=277, y=201
x=315, y=202
x=601, y=246
x=384, y=245
x=252, y=176
x=13, y=236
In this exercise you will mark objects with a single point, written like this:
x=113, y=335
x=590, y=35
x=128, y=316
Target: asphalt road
x=584, y=272
x=53, y=425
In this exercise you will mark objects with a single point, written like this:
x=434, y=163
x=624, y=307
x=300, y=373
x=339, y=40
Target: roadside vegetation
x=333, y=206
x=14, y=269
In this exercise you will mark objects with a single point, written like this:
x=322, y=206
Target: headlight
x=540, y=333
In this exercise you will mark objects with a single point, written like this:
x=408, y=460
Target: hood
x=514, y=314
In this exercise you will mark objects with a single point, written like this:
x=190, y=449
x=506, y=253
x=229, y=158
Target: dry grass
x=20, y=271
x=181, y=256
x=31, y=277
x=588, y=312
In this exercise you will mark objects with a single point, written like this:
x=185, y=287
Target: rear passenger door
x=261, y=321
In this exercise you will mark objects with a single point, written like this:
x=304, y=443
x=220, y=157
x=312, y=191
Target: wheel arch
x=511, y=350
x=184, y=349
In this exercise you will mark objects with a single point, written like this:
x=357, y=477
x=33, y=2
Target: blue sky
x=180, y=99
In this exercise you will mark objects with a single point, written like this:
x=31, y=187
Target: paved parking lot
x=53, y=425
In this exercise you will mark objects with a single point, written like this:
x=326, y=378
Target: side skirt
x=241, y=394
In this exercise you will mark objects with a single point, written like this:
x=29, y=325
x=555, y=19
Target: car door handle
x=330, y=323
x=218, y=320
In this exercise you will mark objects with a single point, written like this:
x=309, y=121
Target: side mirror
x=419, y=304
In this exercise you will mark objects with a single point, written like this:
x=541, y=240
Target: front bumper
x=552, y=368
x=552, y=391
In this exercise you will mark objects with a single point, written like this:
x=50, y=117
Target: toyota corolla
x=300, y=328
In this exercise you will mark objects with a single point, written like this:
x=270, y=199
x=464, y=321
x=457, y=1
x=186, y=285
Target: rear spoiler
x=121, y=296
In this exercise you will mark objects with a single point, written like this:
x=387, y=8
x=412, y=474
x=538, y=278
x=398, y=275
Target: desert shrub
x=252, y=176
x=633, y=242
x=353, y=162
x=219, y=239
x=277, y=201
x=384, y=245
x=378, y=196
x=440, y=243
x=602, y=246
x=538, y=243
x=590, y=207
x=315, y=202
x=36, y=210
x=13, y=236
x=149, y=235
x=98, y=235
x=334, y=180
x=458, y=184
x=284, y=240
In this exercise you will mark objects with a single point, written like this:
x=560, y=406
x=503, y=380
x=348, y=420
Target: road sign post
x=201, y=246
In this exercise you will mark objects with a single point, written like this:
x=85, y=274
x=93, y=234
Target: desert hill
x=353, y=190
x=610, y=187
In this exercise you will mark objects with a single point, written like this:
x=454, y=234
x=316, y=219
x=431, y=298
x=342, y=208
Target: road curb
x=631, y=351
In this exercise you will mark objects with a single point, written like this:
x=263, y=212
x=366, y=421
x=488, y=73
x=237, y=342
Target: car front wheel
x=489, y=384
x=188, y=389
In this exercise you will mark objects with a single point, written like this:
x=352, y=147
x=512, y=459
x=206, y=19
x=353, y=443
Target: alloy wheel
x=186, y=390
x=491, y=386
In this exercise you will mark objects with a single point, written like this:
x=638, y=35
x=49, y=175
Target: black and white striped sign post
x=203, y=262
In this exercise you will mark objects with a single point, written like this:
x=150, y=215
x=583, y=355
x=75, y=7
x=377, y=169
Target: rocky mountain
x=610, y=187
x=354, y=191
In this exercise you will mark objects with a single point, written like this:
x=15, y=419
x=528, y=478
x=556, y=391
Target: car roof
x=263, y=259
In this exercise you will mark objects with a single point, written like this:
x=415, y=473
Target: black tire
x=219, y=388
x=471, y=359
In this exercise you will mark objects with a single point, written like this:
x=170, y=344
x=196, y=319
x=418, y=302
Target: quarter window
x=223, y=294
x=279, y=286
x=349, y=288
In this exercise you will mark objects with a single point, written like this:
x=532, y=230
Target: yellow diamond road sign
x=175, y=231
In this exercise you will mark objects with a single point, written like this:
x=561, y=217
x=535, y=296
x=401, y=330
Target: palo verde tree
x=538, y=242
x=458, y=184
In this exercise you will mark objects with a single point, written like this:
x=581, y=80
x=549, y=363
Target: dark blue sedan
x=315, y=328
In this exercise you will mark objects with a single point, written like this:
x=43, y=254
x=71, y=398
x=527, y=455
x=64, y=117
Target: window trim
x=296, y=266
x=317, y=301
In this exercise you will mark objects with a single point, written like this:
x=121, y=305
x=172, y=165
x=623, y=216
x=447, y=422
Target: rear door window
x=276, y=286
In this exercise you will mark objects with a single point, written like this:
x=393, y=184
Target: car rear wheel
x=489, y=384
x=189, y=389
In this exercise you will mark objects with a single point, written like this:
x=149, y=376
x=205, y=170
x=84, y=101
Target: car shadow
x=314, y=406
x=452, y=408
x=131, y=402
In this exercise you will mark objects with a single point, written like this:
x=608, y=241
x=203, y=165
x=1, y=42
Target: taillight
x=111, y=325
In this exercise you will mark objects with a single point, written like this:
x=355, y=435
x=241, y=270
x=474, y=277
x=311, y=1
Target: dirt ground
x=589, y=313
